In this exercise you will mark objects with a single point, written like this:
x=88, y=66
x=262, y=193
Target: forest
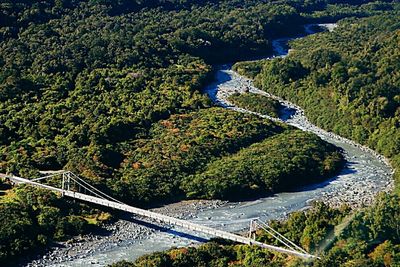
x=34, y=218
x=279, y=163
x=78, y=81
x=112, y=91
x=78, y=78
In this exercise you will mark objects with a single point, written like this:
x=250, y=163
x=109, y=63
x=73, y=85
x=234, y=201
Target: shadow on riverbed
x=159, y=228
x=222, y=78
x=39, y=252
x=347, y=170
x=286, y=113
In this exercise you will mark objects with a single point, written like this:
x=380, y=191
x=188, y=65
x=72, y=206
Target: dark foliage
x=32, y=218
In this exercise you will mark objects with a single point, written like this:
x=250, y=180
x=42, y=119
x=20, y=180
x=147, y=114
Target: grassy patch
x=98, y=218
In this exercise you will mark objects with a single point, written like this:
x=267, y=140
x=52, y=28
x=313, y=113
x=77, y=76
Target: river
x=364, y=175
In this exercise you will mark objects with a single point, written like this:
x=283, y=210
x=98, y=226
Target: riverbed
x=365, y=174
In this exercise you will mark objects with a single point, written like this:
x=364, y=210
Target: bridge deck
x=159, y=217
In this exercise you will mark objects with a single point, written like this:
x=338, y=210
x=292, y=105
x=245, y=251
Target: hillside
x=111, y=90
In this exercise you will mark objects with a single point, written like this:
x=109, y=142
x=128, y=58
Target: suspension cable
x=272, y=232
x=93, y=188
x=45, y=177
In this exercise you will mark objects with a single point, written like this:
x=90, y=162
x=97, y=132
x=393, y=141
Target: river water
x=365, y=174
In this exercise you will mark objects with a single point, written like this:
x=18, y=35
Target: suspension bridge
x=71, y=185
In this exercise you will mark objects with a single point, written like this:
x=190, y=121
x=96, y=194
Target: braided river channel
x=365, y=174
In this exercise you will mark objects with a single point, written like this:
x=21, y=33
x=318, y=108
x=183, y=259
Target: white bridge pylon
x=75, y=187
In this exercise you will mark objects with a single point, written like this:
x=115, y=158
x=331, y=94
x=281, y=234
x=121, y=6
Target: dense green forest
x=79, y=77
x=279, y=163
x=257, y=103
x=112, y=91
x=154, y=168
x=32, y=218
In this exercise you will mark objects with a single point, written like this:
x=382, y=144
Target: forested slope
x=94, y=87
x=279, y=163
x=32, y=218
x=79, y=77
